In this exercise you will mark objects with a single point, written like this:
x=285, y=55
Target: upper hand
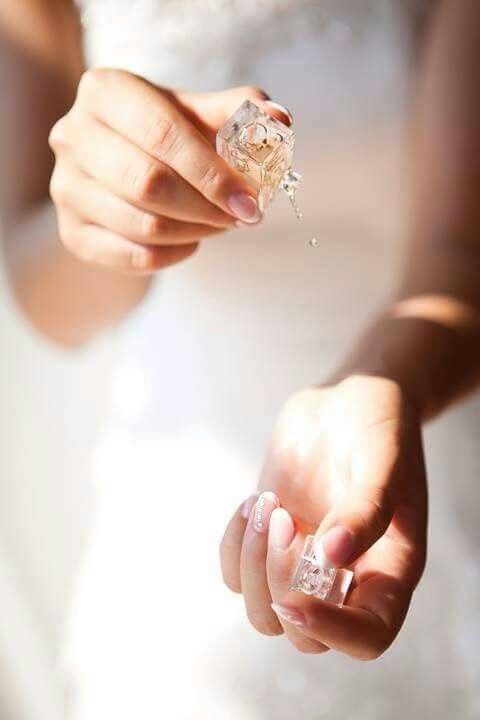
x=348, y=459
x=137, y=182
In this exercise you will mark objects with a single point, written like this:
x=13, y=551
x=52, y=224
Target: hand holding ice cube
x=345, y=462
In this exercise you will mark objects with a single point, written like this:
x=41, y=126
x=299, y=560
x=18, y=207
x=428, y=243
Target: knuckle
x=71, y=241
x=265, y=625
x=57, y=137
x=162, y=137
x=375, y=516
x=142, y=260
x=209, y=180
x=152, y=226
x=142, y=183
x=57, y=188
x=91, y=83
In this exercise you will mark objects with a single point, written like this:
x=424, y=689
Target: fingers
x=141, y=180
x=231, y=545
x=152, y=122
x=284, y=548
x=354, y=629
x=96, y=245
x=253, y=567
x=96, y=205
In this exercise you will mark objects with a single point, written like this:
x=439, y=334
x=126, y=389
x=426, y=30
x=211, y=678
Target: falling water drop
x=290, y=183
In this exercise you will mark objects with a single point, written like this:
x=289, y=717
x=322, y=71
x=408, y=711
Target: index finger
x=154, y=123
x=376, y=608
x=355, y=629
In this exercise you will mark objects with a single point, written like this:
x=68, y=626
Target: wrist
x=409, y=353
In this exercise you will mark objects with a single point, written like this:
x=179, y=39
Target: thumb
x=347, y=533
x=354, y=525
x=363, y=513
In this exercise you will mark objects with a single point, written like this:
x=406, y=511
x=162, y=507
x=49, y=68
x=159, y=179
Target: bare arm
x=429, y=339
x=40, y=66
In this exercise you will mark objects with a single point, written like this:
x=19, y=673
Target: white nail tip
x=269, y=495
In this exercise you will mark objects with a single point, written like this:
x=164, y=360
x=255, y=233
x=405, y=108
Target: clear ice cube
x=323, y=583
x=258, y=146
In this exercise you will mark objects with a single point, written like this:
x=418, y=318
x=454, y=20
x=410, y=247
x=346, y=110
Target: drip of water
x=290, y=183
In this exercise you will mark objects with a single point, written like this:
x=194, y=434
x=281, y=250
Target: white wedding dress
x=204, y=365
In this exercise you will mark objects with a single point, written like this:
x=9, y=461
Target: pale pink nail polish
x=281, y=529
x=248, y=505
x=245, y=208
x=291, y=615
x=265, y=505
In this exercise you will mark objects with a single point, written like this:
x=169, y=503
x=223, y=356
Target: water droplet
x=290, y=184
x=313, y=242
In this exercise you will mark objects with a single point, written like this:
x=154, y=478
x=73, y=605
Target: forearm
x=429, y=345
x=65, y=299
x=428, y=339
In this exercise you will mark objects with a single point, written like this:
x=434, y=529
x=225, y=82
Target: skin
x=348, y=454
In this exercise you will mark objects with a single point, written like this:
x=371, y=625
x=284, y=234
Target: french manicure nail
x=265, y=505
x=281, y=530
x=245, y=208
x=248, y=505
x=334, y=548
x=291, y=615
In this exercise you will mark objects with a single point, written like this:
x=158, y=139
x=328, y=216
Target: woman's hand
x=345, y=461
x=137, y=181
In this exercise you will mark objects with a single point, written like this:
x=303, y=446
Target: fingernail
x=288, y=117
x=291, y=615
x=245, y=208
x=334, y=548
x=248, y=505
x=281, y=529
x=265, y=505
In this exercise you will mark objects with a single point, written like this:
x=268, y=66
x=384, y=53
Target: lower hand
x=347, y=462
